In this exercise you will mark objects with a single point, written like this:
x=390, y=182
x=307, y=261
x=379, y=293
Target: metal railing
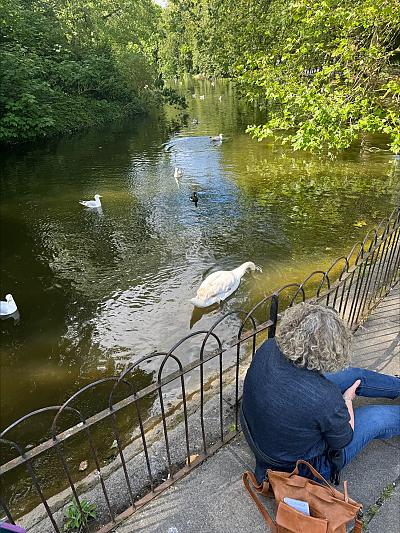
x=171, y=437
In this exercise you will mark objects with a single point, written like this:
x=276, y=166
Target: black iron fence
x=142, y=440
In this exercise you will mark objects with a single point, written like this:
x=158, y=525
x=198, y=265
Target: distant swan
x=219, y=285
x=178, y=173
x=8, y=307
x=92, y=203
x=217, y=138
x=202, y=97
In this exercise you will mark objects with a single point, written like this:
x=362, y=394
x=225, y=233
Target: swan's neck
x=242, y=269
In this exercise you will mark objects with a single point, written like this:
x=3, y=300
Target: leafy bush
x=66, y=65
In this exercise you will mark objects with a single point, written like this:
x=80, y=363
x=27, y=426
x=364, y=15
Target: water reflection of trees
x=309, y=191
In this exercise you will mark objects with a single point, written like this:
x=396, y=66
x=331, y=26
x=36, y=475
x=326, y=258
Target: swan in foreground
x=219, y=285
x=217, y=138
x=92, y=203
x=8, y=307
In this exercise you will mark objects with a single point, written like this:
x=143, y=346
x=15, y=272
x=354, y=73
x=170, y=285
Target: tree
x=330, y=73
x=66, y=64
x=325, y=71
x=210, y=36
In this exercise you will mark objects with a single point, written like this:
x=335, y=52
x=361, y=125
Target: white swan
x=201, y=97
x=219, y=285
x=92, y=203
x=178, y=173
x=217, y=138
x=8, y=307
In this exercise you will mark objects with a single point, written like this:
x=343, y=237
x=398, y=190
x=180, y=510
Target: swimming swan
x=219, y=285
x=217, y=138
x=178, y=173
x=8, y=307
x=92, y=203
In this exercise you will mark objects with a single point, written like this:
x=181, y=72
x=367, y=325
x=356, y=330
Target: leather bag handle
x=315, y=474
x=262, y=488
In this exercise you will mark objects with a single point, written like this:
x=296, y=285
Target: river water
x=99, y=289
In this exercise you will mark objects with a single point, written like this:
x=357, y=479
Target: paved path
x=211, y=499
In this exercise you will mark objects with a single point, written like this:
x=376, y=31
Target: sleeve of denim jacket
x=335, y=426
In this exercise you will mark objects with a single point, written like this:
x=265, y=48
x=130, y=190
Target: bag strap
x=262, y=488
x=314, y=472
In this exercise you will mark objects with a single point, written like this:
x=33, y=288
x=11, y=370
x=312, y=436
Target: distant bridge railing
x=153, y=439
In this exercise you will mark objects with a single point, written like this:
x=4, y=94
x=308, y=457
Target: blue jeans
x=372, y=421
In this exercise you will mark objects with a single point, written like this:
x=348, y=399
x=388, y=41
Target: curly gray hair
x=314, y=336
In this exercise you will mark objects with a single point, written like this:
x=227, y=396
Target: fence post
x=273, y=316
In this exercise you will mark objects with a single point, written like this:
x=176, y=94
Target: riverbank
x=113, y=474
x=64, y=69
x=66, y=115
x=372, y=349
x=212, y=498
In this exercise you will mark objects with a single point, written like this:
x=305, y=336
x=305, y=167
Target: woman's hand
x=348, y=397
x=350, y=393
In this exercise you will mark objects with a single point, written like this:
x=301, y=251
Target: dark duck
x=194, y=198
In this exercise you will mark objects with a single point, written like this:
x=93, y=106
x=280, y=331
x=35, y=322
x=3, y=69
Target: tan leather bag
x=330, y=509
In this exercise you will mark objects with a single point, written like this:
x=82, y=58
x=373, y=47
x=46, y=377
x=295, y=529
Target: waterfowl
x=92, y=203
x=8, y=307
x=202, y=97
x=220, y=98
x=194, y=198
x=193, y=96
x=219, y=285
x=217, y=138
x=178, y=173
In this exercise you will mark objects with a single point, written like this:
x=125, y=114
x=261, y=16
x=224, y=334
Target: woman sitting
x=298, y=394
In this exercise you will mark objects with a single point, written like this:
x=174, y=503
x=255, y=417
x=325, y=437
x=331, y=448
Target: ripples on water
x=98, y=289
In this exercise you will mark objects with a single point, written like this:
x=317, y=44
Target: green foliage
x=171, y=97
x=326, y=72
x=209, y=36
x=330, y=73
x=76, y=519
x=66, y=64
